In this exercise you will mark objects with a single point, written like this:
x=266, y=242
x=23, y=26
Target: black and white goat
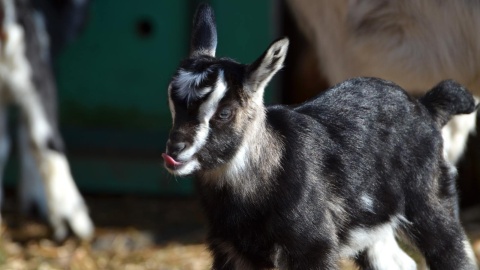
x=414, y=43
x=26, y=80
x=301, y=187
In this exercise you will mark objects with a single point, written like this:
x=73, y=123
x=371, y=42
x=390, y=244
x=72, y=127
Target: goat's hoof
x=82, y=225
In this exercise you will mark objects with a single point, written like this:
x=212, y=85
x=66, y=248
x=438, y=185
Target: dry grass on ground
x=132, y=233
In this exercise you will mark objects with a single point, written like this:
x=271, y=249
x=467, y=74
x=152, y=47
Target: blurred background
x=112, y=71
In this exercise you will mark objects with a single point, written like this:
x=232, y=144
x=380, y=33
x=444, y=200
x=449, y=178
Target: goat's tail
x=446, y=99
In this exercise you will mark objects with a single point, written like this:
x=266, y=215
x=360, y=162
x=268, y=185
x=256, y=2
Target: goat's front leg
x=322, y=258
x=65, y=204
x=63, y=199
x=317, y=249
x=226, y=256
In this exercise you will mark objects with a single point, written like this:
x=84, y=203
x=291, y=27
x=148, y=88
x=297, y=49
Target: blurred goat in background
x=27, y=80
x=414, y=43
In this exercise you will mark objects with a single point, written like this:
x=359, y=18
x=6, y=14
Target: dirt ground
x=132, y=233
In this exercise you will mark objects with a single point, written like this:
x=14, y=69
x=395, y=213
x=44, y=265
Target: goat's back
x=364, y=138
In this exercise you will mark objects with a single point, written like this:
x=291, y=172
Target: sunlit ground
x=132, y=233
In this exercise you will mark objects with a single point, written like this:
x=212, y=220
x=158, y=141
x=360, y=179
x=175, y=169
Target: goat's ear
x=260, y=72
x=204, y=33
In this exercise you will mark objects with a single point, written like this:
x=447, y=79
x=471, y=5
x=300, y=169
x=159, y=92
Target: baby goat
x=339, y=176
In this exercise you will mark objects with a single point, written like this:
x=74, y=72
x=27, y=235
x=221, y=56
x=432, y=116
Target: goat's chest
x=244, y=238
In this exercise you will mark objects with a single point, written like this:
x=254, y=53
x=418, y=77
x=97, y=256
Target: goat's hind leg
x=440, y=238
x=385, y=254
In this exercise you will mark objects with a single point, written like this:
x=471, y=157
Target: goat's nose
x=175, y=148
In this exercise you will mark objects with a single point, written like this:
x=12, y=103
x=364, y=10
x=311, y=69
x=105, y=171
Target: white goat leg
x=64, y=201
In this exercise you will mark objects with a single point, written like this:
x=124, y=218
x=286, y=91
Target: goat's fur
x=414, y=43
x=26, y=80
x=339, y=176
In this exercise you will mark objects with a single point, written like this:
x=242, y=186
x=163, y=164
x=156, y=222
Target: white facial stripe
x=170, y=103
x=205, y=113
x=208, y=108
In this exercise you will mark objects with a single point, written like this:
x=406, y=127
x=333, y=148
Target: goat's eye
x=224, y=114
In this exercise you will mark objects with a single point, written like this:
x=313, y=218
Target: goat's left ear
x=260, y=72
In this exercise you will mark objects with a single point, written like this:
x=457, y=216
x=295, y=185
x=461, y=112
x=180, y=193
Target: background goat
x=414, y=43
x=337, y=176
x=26, y=80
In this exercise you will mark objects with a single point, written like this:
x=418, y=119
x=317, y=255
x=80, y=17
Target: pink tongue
x=170, y=161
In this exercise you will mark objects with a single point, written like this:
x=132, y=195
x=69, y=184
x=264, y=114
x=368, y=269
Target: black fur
x=365, y=136
x=446, y=99
x=362, y=136
x=204, y=33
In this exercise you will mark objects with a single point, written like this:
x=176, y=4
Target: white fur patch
x=380, y=245
x=470, y=253
x=367, y=202
x=188, y=79
x=187, y=83
x=238, y=163
x=386, y=254
x=363, y=238
x=455, y=135
x=187, y=168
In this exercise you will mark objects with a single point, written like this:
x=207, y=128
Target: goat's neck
x=254, y=165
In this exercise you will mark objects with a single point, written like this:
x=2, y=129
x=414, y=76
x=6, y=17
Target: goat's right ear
x=204, y=33
x=262, y=70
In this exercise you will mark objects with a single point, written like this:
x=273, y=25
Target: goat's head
x=215, y=101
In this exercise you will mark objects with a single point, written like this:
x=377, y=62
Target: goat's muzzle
x=170, y=162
